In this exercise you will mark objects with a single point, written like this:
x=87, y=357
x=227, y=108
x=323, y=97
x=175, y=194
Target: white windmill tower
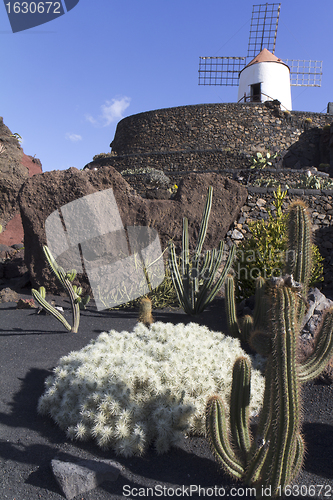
x=265, y=77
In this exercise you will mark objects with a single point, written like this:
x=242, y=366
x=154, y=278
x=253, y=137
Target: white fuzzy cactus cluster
x=130, y=389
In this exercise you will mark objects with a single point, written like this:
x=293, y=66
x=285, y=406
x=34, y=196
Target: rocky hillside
x=15, y=168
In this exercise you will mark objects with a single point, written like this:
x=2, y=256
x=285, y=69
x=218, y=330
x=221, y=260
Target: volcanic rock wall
x=218, y=136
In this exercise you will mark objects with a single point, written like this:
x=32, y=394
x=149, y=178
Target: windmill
x=261, y=76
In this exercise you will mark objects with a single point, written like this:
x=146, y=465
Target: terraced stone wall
x=217, y=136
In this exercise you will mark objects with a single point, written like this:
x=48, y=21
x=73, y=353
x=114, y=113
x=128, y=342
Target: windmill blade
x=305, y=73
x=220, y=70
x=264, y=24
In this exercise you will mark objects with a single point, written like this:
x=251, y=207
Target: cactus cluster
x=195, y=285
x=74, y=292
x=274, y=455
x=127, y=390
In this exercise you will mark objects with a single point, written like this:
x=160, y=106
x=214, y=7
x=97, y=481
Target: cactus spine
x=73, y=292
x=194, y=287
x=275, y=454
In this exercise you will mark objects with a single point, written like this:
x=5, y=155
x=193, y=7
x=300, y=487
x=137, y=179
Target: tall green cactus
x=74, y=293
x=298, y=274
x=299, y=253
x=276, y=452
x=243, y=329
x=274, y=456
x=194, y=286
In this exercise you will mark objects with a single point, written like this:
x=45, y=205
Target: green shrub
x=264, y=254
x=127, y=390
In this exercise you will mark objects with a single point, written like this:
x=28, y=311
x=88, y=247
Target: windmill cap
x=265, y=56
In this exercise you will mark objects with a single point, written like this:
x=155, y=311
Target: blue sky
x=66, y=84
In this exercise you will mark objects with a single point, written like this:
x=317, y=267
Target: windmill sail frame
x=220, y=70
x=305, y=73
x=263, y=31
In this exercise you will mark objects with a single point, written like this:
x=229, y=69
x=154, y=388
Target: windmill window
x=256, y=92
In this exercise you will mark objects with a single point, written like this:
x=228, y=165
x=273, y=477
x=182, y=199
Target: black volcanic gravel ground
x=31, y=345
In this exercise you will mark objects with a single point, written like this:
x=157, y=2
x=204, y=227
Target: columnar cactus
x=298, y=274
x=275, y=454
x=298, y=262
x=145, y=314
x=74, y=293
x=195, y=285
x=243, y=330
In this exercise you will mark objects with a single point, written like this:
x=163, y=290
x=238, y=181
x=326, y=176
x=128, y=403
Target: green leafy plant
x=17, y=136
x=309, y=181
x=261, y=161
x=127, y=390
x=173, y=189
x=195, y=284
x=165, y=294
x=73, y=291
x=274, y=456
x=264, y=254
